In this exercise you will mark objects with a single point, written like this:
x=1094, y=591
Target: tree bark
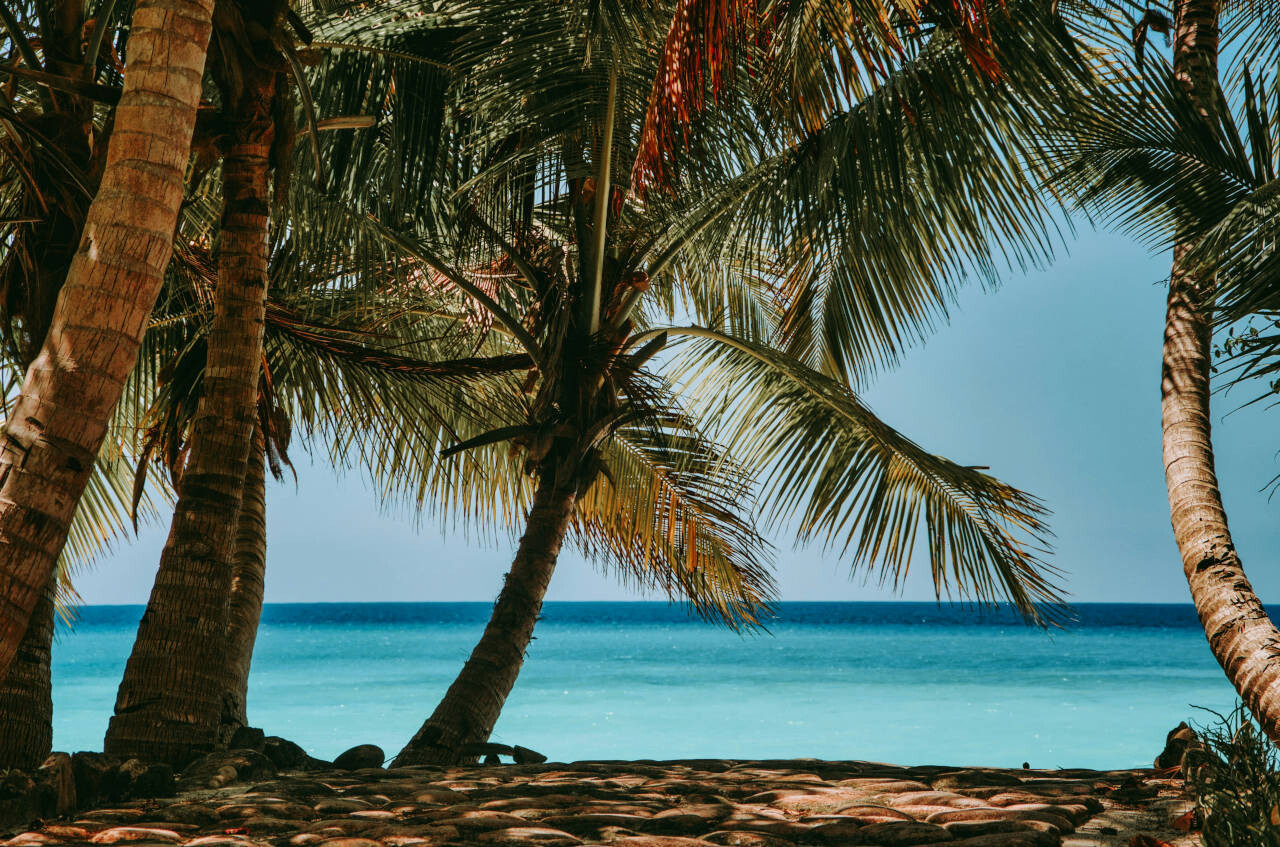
x=248, y=572
x=1241, y=636
x=26, y=695
x=170, y=705
x=59, y=422
x=472, y=704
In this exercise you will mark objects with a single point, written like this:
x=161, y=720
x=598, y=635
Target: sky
x=1053, y=381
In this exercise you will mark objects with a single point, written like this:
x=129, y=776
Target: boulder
x=1175, y=744
x=973, y=778
x=215, y=770
x=361, y=756
x=247, y=738
x=138, y=779
x=525, y=756
x=58, y=775
x=97, y=778
x=19, y=801
x=903, y=834
x=284, y=754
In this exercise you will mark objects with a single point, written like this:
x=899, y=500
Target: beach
x=237, y=799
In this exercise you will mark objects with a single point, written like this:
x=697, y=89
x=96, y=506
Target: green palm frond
x=877, y=215
x=855, y=484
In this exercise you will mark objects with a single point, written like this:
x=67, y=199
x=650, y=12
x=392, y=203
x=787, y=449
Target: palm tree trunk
x=59, y=422
x=472, y=704
x=170, y=705
x=1240, y=634
x=26, y=695
x=248, y=571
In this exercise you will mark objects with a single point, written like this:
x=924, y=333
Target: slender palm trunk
x=59, y=422
x=26, y=695
x=472, y=704
x=1242, y=637
x=248, y=572
x=170, y=705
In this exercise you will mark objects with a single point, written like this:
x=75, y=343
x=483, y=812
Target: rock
x=138, y=779
x=339, y=805
x=970, y=829
x=97, y=777
x=482, y=821
x=440, y=795
x=528, y=835
x=834, y=833
x=525, y=756
x=673, y=822
x=1175, y=744
x=867, y=813
x=1010, y=839
x=656, y=841
x=59, y=776
x=218, y=769
x=247, y=738
x=973, y=779
x=902, y=834
x=361, y=756
x=350, y=842
x=738, y=838
x=119, y=834
x=19, y=800
x=283, y=753
x=120, y=816
x=189, y=813
x=590, y=823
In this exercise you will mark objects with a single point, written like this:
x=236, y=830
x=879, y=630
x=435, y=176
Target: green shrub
x=1235, y=776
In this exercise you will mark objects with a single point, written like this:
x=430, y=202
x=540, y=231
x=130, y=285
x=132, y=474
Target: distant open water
x=910, y=683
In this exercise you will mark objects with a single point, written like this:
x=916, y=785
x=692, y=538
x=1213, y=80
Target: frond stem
x=502, y=316
x=603, y=195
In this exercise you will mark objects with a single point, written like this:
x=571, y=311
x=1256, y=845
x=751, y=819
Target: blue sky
x=1053, y=381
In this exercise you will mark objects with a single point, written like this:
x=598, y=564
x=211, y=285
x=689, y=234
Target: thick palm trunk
x=170, y=705
x=59, y=422
x=472, y=704
x=248, y=572
x=26, y=695
x=1242, y=637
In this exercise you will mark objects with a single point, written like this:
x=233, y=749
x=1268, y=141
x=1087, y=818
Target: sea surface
x=909, y=683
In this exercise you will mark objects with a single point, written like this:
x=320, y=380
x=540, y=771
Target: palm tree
x=1166, y=157
x=167, y=708
x=54, y=432
x=807, y=259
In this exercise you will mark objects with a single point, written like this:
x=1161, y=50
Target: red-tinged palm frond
x=825, y=53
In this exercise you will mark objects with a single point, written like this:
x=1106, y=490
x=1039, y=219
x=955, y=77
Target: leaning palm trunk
x=248, y=571
x=472, y=704
x=1242, y=637
x=59, y=422
x=171, y=705
x=26, y=695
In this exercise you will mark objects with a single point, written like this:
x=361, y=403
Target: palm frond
x=821, y=457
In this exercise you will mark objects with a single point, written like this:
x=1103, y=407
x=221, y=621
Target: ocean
x=909, y=683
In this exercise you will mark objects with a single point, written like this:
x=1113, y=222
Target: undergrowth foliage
x=1236, y=782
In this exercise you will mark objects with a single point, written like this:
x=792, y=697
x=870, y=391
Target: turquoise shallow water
x=909, y=683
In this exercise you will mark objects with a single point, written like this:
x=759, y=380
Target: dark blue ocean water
x=902, y=682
